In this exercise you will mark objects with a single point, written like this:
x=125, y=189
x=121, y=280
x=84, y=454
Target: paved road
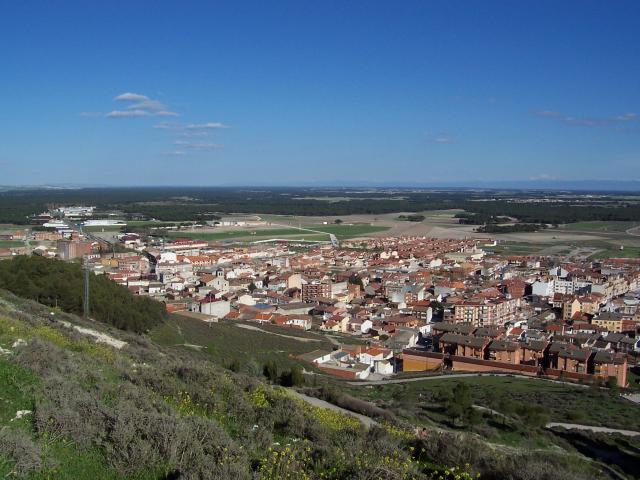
x=458, y=375
x=316, y=402
x=576, y=426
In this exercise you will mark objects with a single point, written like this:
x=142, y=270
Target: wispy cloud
x=127, y=114
x=187, y=138
x=140, y=106
x=586, y=121
x=197, y=146
x=175, y=153
x=166, y=126
x=441, y=138
x=206, y=126
x=543, y=176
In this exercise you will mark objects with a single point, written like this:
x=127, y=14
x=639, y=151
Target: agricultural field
x=628, y=252
x=225, y=342
x=341, y=231
x=600, y=226
x=11, y=243
x=515, y=248
x=348, y=231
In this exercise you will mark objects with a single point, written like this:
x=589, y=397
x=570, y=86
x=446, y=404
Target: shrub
x=23, y=454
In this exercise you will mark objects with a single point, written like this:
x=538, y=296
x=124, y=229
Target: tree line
x=200, y=204
x=59, y=284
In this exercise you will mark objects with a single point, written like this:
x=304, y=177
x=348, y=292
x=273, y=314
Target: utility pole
x=85, y=297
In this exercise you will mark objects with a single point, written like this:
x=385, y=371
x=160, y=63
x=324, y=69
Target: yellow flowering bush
x=285, y=463
x=259, y=398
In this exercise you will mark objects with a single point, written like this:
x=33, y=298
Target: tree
x=252, y=286
x=270, y=371
x=337, y=221
x=458, y=403
x=292, y=377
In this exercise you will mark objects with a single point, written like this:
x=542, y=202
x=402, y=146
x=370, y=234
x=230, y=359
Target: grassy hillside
x=225, y=343
x=152, y=412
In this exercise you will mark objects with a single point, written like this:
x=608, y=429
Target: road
x=316, y=402
x=591, y=428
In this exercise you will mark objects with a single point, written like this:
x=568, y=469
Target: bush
x=23, y=454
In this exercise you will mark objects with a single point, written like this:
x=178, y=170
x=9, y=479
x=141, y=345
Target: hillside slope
x=72, y=407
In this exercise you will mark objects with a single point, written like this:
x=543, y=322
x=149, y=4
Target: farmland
x=307, y=232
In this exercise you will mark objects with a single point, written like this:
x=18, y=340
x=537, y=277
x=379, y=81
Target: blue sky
x=318, y=92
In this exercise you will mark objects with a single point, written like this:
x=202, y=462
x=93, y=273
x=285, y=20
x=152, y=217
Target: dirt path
x=256, y=329
x=591, y=428
x=635, y=231
x=458, y=375
x=96, y=335
x=316, y=402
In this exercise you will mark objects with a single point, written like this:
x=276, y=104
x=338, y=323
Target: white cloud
x=131, y=97
x=197, y=146
x=206, y=126
x=127, y=114
x=166, y=113
x=175, y=153
x=167, y=126
x=141, y=103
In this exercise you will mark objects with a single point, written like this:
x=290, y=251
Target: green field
x=515, y=248
x=11, y=243
x=225, y=342
x=348, y=231
x=599, y=226
x=572, y=404
x=628, y=252
x=341, y=231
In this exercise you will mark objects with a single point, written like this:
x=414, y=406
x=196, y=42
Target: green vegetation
x=628, y=252
x=348, y=231
x=56, y=283
x=148, y=412
x=600, y=226
x=230, y=234
x=423, y=401
x=225, y=342
x=516, y=248
x=200, y=204
x=11, y=243
x=412, y=218
x=513, y=228
x=467, y=218
x=341, y=231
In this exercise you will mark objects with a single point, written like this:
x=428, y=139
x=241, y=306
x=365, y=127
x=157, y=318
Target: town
x=390, y=305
